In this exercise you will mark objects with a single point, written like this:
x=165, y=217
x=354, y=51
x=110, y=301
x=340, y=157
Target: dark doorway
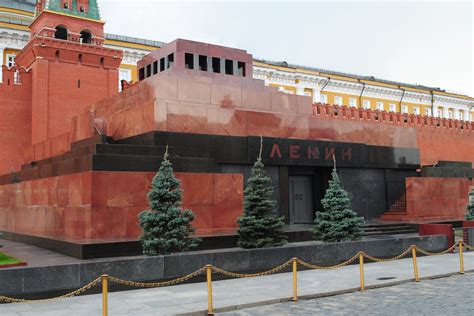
x=86, y=37
x=61, y=33
x=301, y=199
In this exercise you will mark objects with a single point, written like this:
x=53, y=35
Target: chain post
x=461, y=258
x=105, y=291
x=361, y=265
x=415, y=265
x=295, y=280
x=209, y=289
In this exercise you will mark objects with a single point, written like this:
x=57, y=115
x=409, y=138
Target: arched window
x=86, y=37
x=61, y=33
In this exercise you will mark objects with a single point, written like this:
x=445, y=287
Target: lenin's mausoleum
x=77, y=156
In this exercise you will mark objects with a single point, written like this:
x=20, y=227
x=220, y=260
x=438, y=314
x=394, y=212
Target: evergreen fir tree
x=166, y=227
x=336, y=222
x=259, y=226
x=470, y=207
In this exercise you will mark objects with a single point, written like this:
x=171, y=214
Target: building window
x=352, y=102
x=229, y=67
x=241, y=68
x=10, y=60
x=188, y=61
x=162, y=64
x=202, y=63
x=440, y=112
x=416, y=110
x=155, y=67
x=148, y=71
x=124, y=74
x=380, y=106
x=170, y=61
x=428, y=112
x=450, y=114
x=86, y=37
x=61, y=33
x=366, y=104
x=324, y=98
x=216, y=65
x=338, y=100
x=392, y=107
x=141, y=74
x=461, y=116
x=405, y=109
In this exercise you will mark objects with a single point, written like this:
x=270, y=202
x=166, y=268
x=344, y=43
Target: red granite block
x=75, y=190
x=197, y=188
x=99, y=189
x=108, y=222
x=126, y=189
x=203, y=217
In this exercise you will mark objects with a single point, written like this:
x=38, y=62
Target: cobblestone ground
x=447, y=296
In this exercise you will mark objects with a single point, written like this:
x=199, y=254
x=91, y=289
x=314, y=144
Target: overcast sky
x=422, y=42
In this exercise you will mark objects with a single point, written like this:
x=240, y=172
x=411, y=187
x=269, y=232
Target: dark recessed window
x=241, y=68
x=61, y=33
x=86, y=37
x=229, y=67
x=189, y=61
x=148, y=71
x=216, y=65
x=162, y=64
x=66, y=5
x=202, y=62
x=155, y=67
x=81, y=9
x=141, y=74
x=170, y=60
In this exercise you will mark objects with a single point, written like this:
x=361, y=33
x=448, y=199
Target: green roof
x=92, y=13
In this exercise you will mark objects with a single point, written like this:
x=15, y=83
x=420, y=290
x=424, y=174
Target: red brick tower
x=70, y=67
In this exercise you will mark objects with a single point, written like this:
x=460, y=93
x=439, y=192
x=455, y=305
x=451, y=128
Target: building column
x=2, y=50
x=455, y=114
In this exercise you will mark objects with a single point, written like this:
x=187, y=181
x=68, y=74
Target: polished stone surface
x=141, y=268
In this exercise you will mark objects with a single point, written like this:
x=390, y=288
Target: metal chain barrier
x=157, y=284
x=208, y=269
x=400, y=256
x=77, y=292
x=251, y=275
x=315, y=267
x=427, y=253
x=468, y=247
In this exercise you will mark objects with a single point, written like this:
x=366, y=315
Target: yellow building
x=322, y=85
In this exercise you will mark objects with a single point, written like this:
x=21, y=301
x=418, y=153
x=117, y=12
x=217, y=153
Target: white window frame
x=392, y=107
x=324, y=98
x=450, y=114
x=380, y=106
x=352, y=102
x=367, y=104
x=337, y=100
x=416, y=110
x=128, y=78
x=428, y=112
x=404, y=109
x=10, y=60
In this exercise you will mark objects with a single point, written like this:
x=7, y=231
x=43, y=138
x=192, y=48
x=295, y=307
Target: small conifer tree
x=470, y=207
x=336, y=222
x=166, y=226
x=259, y=226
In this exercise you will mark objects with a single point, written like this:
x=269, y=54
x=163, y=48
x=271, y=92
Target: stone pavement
x=447, y=296
x=228, y=294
